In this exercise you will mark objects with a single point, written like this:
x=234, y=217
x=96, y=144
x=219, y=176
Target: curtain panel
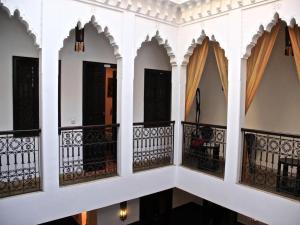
x=257, y=63
x=295, y=40
x=195, y=70
x=222, y=64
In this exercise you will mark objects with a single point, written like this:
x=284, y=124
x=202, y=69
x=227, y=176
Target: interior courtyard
x=150, y=112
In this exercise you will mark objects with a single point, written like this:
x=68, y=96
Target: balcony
x=204, y=147
x=153, y=145
x=271, y=162
x=19, y=162
x=87, y=153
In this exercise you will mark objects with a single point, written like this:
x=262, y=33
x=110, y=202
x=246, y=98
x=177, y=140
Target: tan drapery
x=295, y=40
x=194, y=73
x=222, y=63
x=257, y=63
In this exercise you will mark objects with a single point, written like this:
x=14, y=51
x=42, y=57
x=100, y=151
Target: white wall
x=14, y=41
x=97, y=49
x=150, y=56
x=276, y=105
x=213, y=107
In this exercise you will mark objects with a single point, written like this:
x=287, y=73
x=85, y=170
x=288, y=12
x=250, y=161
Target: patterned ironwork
x=153, y=145
x=204, y=147
x=271, y=161
x=19, y=162
x=87, y=153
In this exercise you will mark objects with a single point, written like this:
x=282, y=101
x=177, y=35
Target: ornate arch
x=162, y=42
x=194, y=44
x=259, y=33
x=100, y=30
x=261, y=30
x=17, y=14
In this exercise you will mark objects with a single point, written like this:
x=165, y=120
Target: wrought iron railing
x=19, y=162
x=87, y=153
x=271, y=161
x=203, y=147
x=153, y=145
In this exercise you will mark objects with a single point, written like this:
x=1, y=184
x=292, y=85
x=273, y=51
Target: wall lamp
x=123, y=211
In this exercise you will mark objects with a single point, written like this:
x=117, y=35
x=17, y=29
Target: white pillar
x=49, y=101
x=125, y=96
x=176, y=112
x=179, y=110
x=235, y=94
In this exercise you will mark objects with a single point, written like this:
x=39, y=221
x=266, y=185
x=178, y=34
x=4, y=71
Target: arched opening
x=153, y=130
x=19, y=121
x=271, y=134
x=87, y=106
x=204, y=129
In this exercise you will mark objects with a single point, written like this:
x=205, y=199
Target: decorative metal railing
x=19, y=162
x=271, y=161
x=87, y=153
x=204, y=147
x=153, y=145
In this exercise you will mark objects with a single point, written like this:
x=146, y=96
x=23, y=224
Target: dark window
x=25, y=93
x=157, y=95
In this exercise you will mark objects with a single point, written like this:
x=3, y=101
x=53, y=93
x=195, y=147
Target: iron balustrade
x=19, y=162
x=153, y=145
x=271, y=161
x=204, y=147
x=87, y=153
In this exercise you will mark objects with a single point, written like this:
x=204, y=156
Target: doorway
x=98, y=110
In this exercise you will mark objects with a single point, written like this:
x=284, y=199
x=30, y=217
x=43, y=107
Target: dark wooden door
x=93, y=113
x=157, y=95
x=25, y=93
x=93, y=93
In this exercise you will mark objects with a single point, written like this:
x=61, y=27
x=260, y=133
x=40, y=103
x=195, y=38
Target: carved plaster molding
x=17, y=14
x=176, y=13
x=162, y=42
x=100, y=30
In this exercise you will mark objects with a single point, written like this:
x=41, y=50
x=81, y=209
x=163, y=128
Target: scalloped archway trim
x=162, y=42
x=17, y=15
x=194, y=44
x=100, y=30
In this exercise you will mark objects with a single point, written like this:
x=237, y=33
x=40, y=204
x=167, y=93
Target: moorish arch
x=88, y=103
x=20, y=100
x=204, y=129
x=161, y=41
x=153, y=130
x=272, y=107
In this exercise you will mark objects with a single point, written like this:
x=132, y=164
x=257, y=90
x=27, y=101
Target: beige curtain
x=222, y=63
x=257, y=62
x=295, y=40
x=194, y=73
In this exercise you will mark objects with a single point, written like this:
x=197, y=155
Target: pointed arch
x=17, y=15
x=100, y=29
x=162, y=42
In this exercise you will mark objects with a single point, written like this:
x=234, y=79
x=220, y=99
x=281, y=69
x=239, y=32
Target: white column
x=178, y=108
x=176, y=112
x=49, y=101
x=125, y=96
x=235, y=94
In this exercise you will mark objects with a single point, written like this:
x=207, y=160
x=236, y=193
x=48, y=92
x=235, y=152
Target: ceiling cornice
x=176, y=11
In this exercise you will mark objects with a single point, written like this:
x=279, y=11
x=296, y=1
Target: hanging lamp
x=79, y=39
